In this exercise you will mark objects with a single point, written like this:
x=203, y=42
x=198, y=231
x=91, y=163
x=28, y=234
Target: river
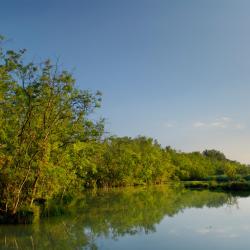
x=156, y=217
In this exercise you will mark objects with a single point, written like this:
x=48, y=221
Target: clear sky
x=175, y=70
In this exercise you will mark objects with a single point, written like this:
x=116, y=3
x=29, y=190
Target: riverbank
x=54, y=208
x=234, y=186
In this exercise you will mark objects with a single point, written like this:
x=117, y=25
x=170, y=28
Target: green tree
x=43, y=116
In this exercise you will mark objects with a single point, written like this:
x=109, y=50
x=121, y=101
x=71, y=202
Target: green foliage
x=214, y=154
x=127, y=161
x=204, y=166
x=42, y=119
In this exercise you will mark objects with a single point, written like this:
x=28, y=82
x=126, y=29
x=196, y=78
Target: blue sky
x=175, y=70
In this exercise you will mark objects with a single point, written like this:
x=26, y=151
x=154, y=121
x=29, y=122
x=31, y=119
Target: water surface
x=158, y=217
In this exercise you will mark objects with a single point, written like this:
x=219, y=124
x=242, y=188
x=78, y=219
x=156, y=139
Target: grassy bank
x=240, y=185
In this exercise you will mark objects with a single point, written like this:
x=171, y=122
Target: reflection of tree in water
x=109, y=214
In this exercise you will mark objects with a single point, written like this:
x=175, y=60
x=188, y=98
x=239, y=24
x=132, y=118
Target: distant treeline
x=132, y=161
x=50, y=147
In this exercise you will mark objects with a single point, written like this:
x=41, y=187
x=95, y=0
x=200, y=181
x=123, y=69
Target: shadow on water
x=110, y=214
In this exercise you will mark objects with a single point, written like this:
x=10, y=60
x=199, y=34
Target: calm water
x=141, y=218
